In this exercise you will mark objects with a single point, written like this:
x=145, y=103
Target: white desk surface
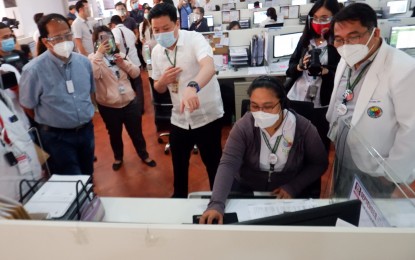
x=176, y=211
x=246, y=72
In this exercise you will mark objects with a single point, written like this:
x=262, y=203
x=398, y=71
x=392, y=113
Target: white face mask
x=264, y=120
x=353, y=53
x=121, y=12
x=146, y=16
x=64, y=49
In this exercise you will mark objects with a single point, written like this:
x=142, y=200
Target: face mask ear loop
x=370, y=38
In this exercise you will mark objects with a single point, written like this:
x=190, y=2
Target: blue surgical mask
x=135, y=6
x=7, y=45
x=166, y=39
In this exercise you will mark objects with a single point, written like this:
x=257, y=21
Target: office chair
x=274, y=25
x=162, y=113
x=306, y=109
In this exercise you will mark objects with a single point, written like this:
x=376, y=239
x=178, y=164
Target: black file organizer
x=74, y=211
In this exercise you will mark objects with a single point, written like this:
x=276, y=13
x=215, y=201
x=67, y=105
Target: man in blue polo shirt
x=56, y=89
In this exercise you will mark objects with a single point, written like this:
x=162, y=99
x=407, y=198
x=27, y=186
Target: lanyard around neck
x=358, y=78
x=175, y=55
x=277, y=142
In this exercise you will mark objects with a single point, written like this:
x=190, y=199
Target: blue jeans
x=71, y=152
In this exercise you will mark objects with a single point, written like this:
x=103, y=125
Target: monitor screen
x=251, y=6
x=259, y=16
x=402, y=37
x=209, y=19
x=325, y=216
x=397, y=7
x=285, y=44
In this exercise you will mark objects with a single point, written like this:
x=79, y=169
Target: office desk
x=248, y=73
x=177, y=211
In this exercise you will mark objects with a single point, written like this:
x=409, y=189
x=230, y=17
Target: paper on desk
x=257, y=70
x=224, y=41
x=270, y=209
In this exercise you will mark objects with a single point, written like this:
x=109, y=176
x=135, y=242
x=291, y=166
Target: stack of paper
x=57, y=195
x=10, y=209
x=238, y=56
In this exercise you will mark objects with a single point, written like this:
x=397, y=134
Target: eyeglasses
x=5, y=37
x=350, y=40
x=321, y=20
x=267, y=108
x=60, y=38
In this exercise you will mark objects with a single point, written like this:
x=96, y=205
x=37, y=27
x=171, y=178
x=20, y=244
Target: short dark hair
x=256, y=3
x=71, y=7
x=272, y=84
x=98, y=30
x=357, y=12
x=115, y=19
x=3, y=25
x=43, y=31
x=168, y=2
x=120, y=3
x=37, y=17
x=232, y=24
x=201, y=10
x=163, y=9
x=80, y=4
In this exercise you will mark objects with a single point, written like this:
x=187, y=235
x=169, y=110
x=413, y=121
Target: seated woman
x=200, y=22
x=234, y=25
x=270, y=148
x=271, y=17
x=117, y=102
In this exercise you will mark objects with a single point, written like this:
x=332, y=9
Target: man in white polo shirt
x=82, y=30
x=183, y=64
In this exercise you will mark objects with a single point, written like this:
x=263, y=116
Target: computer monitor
x=259, y=16
x=402, y=37
x=285, y=44
x=325, y=216
x=251, y=6
x=397, y=7
x=209, y=19
x=245, y=23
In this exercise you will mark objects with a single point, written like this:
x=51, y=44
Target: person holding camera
x=313, y=64
x=117, y=102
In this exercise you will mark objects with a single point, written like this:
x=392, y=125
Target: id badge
x=23, y=164
x=69, y=86
x=121, y=89
x=175, y=87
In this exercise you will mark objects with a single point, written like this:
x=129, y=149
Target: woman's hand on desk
x=209, y=216
x=281, y=194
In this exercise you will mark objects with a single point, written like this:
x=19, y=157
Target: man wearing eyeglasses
x=374, y=94
x=82, y=30
x=56, y=90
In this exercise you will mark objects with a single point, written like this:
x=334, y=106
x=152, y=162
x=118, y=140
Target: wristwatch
x=194, y=84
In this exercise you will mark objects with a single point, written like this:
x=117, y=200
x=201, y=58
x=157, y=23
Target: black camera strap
x=127, y=49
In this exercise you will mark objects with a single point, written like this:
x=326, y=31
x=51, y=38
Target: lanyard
x=175, y=54
x=273, y=150
x=348, y=94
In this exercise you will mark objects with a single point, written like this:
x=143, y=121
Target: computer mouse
x=235, y=69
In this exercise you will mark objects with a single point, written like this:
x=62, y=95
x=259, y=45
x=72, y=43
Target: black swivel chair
x=274, y=25
x=162, y=113
x=306, y=110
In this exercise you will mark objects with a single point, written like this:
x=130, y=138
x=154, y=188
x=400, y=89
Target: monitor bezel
x=273, y=44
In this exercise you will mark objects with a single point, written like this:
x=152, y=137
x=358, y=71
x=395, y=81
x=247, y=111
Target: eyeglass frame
x=265, y=109
x=319, y=20
x=352, y=39
x=66, y=36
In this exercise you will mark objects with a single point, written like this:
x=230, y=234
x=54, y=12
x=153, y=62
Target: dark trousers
x=208, y=140
x=137, y=85
x=71, y=152
x=130, y=116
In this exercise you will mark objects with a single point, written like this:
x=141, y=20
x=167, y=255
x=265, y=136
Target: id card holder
x=23, y=164
x=121, y=89
x=175, y=87
x=69, y=86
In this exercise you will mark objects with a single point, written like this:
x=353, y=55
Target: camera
x=314, y=66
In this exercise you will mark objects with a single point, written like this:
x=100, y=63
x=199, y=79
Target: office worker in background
x=56, y=89
x=183, y=65
x=209, y=6
x=316, y=88
x=200, y=23
x=146, y=33
x=234, y=25
x=270, y=148
x=374, y=91
x=185, y=8
x=82, y=30
x=117, y=101
x=72, y=12
x=271, y=17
